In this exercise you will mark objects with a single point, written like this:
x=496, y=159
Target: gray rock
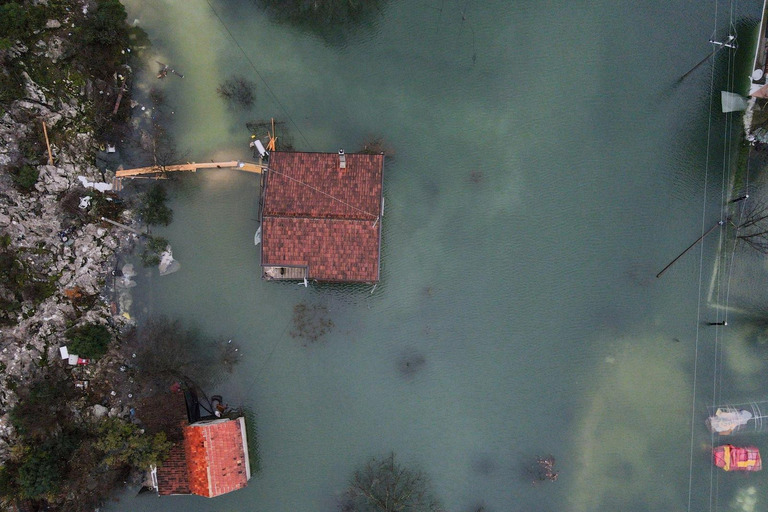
x=32, y=90
x=55, y=49
x=99, y=411
x=53, y=24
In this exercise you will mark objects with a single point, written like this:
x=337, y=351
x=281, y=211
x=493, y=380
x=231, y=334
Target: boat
x=737, y=458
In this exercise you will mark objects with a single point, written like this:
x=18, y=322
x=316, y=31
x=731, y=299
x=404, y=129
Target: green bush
x=26, y=177
x=103, y=37
x=106, y=27
x=154, y=210
x=43, y=468
x=37, y=290
x=18, y=21
x=9, y=311
x=90, y=340
x=125, y=443
x=12, y=274
x=42, y=408
x=155, y=245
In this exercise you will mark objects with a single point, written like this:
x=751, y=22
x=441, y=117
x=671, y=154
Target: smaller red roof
x=172, y=475
x=217, y=456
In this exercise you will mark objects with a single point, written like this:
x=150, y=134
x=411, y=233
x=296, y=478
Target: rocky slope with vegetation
x=63, y=66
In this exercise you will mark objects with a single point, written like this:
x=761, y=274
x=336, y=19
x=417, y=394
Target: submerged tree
x=544, y=469
x=332, y=20
x=386, y=486
x=238, y=91
x=156, y=141
x=752, y=229
x=153, y=249
x=310, y=322
x=166, y=351
x=153, y=209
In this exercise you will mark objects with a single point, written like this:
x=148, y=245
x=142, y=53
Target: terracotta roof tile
x=332, y=249
x=172, y=477
x=318, y=215
x=216, y=457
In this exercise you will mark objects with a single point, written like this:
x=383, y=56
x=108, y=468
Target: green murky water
x=546, y=165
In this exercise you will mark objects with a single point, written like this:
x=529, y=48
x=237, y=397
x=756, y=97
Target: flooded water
x=545, y=164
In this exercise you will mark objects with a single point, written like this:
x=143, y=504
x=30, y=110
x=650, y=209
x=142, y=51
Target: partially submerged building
x=208, y=458
x=321, y=217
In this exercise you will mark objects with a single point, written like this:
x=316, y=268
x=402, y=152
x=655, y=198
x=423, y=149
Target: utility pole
x=730, y=42
x=719, y=223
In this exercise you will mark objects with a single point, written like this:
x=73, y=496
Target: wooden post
x=48, y=144
x=714, y=52
x=119, y=98
x=129, y=228
x=719, y=223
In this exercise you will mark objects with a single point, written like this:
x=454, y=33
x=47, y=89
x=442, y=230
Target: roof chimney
x=342, y=160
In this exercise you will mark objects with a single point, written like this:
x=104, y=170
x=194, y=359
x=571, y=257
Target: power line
x=274, y=96
x=701, y=270
x=373, y=215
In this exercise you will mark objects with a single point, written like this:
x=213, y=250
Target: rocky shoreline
x=83, y=260
x=59, y=258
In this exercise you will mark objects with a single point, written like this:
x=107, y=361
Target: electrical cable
x=266, y=84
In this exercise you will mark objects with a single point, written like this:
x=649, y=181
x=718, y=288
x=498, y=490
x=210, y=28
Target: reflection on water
x=538, y=184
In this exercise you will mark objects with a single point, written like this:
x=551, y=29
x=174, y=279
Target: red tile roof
x=323, y=217
x=216, y=454
x=172, y=476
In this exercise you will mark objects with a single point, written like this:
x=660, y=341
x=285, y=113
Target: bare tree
x=238, y=91
x=165, y=351
x=752, y=229
x=386, y=486
x=156, y=141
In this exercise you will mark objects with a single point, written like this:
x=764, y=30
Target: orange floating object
x=737, y=458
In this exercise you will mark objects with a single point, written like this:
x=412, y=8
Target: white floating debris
x=168, y=265
x=101, y=187
x=732, y=102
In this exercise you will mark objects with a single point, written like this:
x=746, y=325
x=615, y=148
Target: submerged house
x=321, y=217
x=209, y=458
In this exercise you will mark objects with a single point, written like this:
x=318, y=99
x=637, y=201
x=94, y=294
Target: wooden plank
x=190, y=166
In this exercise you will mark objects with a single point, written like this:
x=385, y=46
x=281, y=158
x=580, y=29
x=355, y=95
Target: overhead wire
x=272, y=169
x=701, y=273
x=726, y=257
x=261, y=77
x=721, y=272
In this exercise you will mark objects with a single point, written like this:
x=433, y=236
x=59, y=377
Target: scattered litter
x=74, y=359
x=85, y=202
x=100, y=186
x=81, y=384
x=64, y=352
x=64, y=234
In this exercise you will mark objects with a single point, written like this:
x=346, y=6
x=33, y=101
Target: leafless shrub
x=386, y=486
x=310, y=322
x=238, y=91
